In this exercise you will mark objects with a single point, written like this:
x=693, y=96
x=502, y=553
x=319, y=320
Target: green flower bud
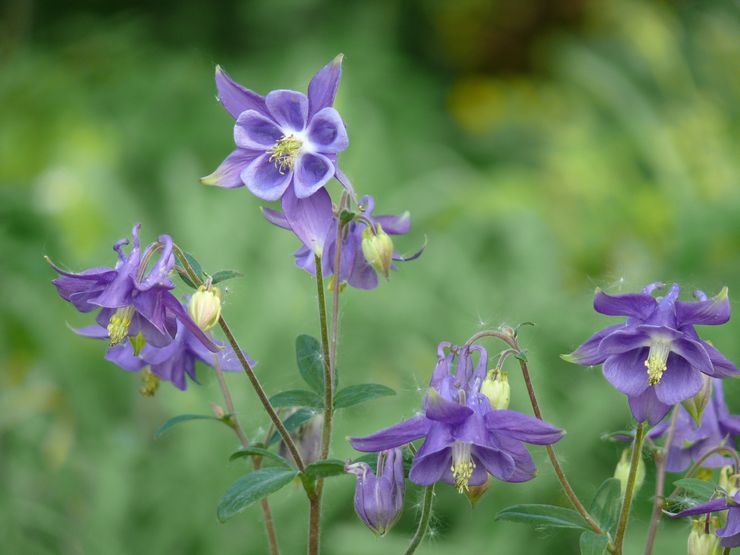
x=702, y=541
x=497, y=389
x=205, y=307
x=696, y=405
x=622, y=471
x=377, y=247
x=728, y=480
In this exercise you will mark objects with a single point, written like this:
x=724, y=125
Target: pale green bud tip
x=338, y=59
x=212, y=179
x=622, y=471
x=702, y=541
x=497, y=390
x=205, y=307
x=377, y=247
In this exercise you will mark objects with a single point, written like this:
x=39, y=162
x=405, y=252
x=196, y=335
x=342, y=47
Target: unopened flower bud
x=474, y=493
x=218, y=410
x=307, y=438
x=205, y=307
x=379, y=497
x=622, y=471
x=696, y=405
x=728, y=480
x=377, y=247
x=702, y=541
x=497, y=389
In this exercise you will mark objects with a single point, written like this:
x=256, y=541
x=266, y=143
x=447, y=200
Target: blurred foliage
x=543, y=148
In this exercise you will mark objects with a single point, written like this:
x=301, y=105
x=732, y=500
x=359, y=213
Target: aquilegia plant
x=287, y=148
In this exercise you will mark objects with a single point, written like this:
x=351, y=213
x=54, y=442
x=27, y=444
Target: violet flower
x=691, y=442
x=287, y=142
x=174, y=361
x=379, y=497
x=132, y=298
x=465, y=440
x=656, y=357
x=315, y=224
x=730, y=534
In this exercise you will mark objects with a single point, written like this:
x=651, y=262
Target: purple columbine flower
x=465, y=440
x=730, y=534
x=315, y=224
x=172, y=362
x=287, y=142
x=379, y=497
x=656, y=357
x=691, y=442
x=132, y=298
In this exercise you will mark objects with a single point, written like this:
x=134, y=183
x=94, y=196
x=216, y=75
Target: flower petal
x=723, y=367
x=694, y=353
x=394, y=225
x=634, y=305
x=679, y=382
x=430, y=469
x=275, y=218
x=177, y=310
x=264, y=179
x=323, y=86
x=496, y=462
x=624, y=340
x=310, y=218
x=711, y=312
x=326, y=131
x=627, y=371
x=312, y=171
x=122, y=355
x=646, y=406
x=703, y=508
x=437, y=407
x=235, y=98
x=394, y=436
x=254, y=131
x=589, y=354
x=522, y=427
x=228, y=174
x=289, y=108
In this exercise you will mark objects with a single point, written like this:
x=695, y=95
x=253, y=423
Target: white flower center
x=462, y=465
x=656, y=361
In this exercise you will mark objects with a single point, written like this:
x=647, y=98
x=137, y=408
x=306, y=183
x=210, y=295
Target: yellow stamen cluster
x=285, y=152
x=119, y=324
x=462, y=465
x=656, y=361
x=149, y=383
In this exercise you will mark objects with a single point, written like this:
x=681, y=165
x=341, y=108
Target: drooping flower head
x=465, y=439
x=315, y=224
x=286, y=142
x=379, y=496
x=691, y=442
x=656, y=357
x=730, y=534
x=133, y=298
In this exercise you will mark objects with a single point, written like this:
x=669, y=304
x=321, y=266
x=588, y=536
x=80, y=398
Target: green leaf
x=310, y=362
x=195, y=265
x=183, y=418
x=549, y=516
x=293, y=422
x=606, y=504
x=223, y=275
x=593, y=544
x=702, y=490
x=296, y=398
x=324, y=469
x=355, y=394
x=251, y=488
x=259, y=452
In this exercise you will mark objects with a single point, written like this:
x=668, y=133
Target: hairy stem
x=256, y=461
x=624, y=514
x=315, y=505
x=660, y=458
x=424, y=517
x=256, y=385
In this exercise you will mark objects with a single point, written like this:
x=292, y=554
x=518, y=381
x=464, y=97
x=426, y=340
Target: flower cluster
x=465, y=438
x=656, y=357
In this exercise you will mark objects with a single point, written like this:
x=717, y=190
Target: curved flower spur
x=465, y=439
x=656, y=357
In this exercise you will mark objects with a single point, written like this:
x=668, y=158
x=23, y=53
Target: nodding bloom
x=286, y=142
x=656, y=357
x=172, y=362
x=691, y=442
x=132, y=297
x=379, y=497
x=316, y=227
x=465, y=439
x=729, y=536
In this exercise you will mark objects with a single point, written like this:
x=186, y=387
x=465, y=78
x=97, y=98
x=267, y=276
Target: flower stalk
x=424, y=518
x=629, y=491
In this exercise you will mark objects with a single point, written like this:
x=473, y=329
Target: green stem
x=426, y=514
x=630, y=489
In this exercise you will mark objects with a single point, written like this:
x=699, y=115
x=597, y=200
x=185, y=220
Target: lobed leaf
x=355, y=394
x=296, y=398
x=251, y=488
x=549, y=516
x=175, y=420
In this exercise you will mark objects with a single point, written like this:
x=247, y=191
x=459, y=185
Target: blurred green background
x=543, y=148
